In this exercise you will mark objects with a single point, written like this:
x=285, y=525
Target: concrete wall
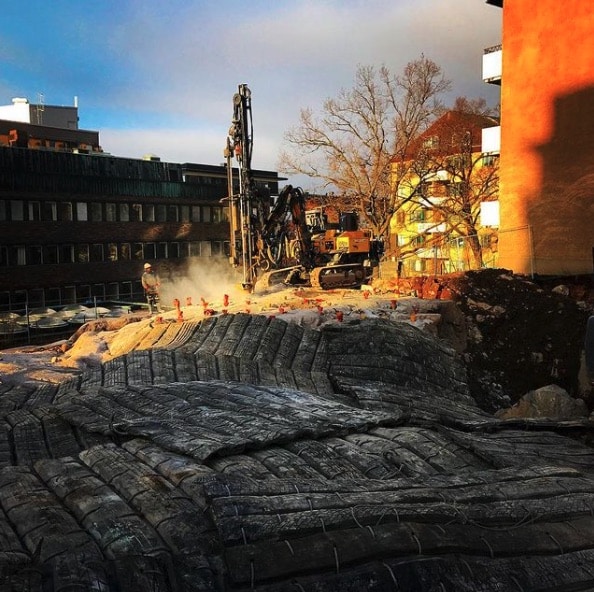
x=547, y=142
x=64, y=117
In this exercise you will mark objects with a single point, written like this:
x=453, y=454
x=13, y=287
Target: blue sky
x=158, y=77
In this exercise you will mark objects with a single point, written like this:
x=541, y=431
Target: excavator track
x=276, y=277
x=349, y=275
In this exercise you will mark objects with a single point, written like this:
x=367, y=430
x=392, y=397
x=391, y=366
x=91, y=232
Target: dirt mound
x=521, y=335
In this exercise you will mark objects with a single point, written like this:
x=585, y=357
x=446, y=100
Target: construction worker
x=151, y=283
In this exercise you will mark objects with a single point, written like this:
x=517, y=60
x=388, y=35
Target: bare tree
x=358, y=144
x=457, y=177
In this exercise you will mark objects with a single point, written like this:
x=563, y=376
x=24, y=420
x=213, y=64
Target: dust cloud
x=204, y=282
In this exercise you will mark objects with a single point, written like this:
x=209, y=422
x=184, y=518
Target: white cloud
x=186, y=60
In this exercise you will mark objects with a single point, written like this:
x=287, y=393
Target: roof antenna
x=40, y=109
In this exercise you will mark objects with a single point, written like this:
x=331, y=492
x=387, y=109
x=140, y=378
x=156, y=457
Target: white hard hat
x=147, y=265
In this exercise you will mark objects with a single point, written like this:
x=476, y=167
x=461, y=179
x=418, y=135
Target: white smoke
x=205, y=284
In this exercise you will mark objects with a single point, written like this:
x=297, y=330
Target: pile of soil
x=522, y=334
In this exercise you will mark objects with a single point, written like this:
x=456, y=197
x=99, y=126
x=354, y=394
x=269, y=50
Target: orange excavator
x=283, y=243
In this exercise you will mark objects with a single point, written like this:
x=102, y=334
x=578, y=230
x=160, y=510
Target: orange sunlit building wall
x=547, y=137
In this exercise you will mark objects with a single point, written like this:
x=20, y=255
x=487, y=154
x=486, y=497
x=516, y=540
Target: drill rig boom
x=279, y=241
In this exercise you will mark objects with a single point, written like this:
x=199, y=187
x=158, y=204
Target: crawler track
x=244, y=453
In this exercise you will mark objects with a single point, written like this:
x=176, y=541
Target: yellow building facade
x=446, y=219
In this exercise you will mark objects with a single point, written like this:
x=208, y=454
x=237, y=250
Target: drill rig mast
x=260, y=239
x=241, y=205
x=277, y=241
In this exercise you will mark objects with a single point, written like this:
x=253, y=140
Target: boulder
x=549, y=401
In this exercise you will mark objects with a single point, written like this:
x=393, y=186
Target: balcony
x=430, y=227
x=431, y=253
x=491, y=140
x=492, y=64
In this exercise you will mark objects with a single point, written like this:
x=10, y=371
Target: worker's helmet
x=147, y=266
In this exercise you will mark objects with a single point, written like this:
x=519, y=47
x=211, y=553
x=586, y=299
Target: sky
x=159, y=77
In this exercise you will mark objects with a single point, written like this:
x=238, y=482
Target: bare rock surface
x=548, y=401
x=243, y=452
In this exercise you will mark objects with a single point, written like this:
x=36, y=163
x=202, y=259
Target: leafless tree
x=471, y=177
x=358, y=144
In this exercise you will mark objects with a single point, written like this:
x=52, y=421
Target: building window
x=113, y=291
x=69, y=294
x=162, y=251
x=138, y=251
x=124, y=212
x=67, y=254
x=205, y=248
x=148, y=212
x=52, y=297
x=217, y=214
x=65, y=211
x=83, y=294
x=17, y=256
x=96, y=253
x=174, y=251
x=35, y=297
x=96, y=212
x=98, y=292
x=418, y=215
x=136, y=213
x=149, y=251
x=81, y=212
x=216, y=248
x=126, y=290
x=110, y=212
x=194, y=249
x=172, y=214
x=489, y=160
x=2, y=210
x=50, y=254
x=3, y=256
x=49, y=211
x=34, y=255
x=206, y=214
x=431, y=143
x=125, y=251
x=195, y=214
x=112, y=251
x=82, y=253
x=161, y=213
x=34, y=211
x=185, y=213
x=16, y=210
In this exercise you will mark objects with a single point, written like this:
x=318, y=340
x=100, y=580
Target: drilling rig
x=283, y=242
